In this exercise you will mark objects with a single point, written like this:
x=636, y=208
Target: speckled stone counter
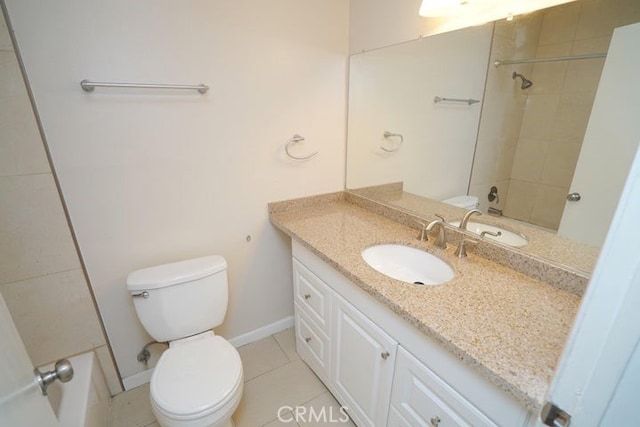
x=508, y=326
x=542, y=243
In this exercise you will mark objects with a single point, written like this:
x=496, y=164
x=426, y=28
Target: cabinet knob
x=307, y=339
x=385, y=355
x=435, y=421
x=307, y=296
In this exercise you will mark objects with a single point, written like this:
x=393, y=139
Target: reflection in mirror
x=533, y=121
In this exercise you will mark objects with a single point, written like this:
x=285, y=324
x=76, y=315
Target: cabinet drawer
x=313, y=296
x=424, y=399
x=312, y=344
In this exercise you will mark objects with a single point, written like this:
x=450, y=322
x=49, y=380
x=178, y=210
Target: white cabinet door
x=362, y=365
x=422, y=398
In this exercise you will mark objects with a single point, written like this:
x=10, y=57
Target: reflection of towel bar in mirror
x=469, y=101
x=388, y=135
x=296, y=138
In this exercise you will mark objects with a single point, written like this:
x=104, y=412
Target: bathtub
x=83, y=401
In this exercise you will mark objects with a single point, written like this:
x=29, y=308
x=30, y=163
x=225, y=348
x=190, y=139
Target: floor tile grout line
x=281, y=348
x=266, y=372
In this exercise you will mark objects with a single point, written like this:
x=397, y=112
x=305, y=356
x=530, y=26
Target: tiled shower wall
x=41, y=278
x=559, y=104
x=503, y=108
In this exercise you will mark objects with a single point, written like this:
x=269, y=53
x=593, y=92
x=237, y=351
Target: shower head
x=526, y=83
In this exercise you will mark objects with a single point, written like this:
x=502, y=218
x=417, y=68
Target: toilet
x=467, y=202
x=198, y=380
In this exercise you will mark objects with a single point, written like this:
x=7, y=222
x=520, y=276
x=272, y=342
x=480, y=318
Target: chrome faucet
x=465, y=218
x=441, y=240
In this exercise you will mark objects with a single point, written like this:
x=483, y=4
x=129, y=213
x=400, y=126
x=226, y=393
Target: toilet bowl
x=467, y=202
x=198, y=381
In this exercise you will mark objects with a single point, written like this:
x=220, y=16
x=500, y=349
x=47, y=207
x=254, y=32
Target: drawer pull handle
x=385, y=355
x=307, y=339
x=435, y=421
x=307, y=296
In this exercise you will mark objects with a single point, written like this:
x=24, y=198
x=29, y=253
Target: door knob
x=574, y=197
x=63, y=371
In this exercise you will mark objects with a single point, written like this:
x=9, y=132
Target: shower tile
x=34, y=232
x=570, y=122
x=583, y=76
x=5, y=40
x=548, y=77
x=261, y=356
x=520, y=199
x=540, y=109
x=559, y=24
x=600, y=17
x=560, y=164
x=549, y=205
x=70, y=323
x=21, y=151
x=529, y=159
x=594, y=45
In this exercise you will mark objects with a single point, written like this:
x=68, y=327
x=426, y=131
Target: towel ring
x=293, y=140
x=388, y=135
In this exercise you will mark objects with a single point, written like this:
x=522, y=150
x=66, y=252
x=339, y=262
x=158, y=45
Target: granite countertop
x=508, y=326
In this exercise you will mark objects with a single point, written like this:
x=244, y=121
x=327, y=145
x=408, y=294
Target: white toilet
x=198, y=381
x=467, y=202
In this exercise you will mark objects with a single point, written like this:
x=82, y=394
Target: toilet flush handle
x=143, y=294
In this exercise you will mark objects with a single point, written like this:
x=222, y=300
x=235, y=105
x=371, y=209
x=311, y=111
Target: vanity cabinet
x=383, y=370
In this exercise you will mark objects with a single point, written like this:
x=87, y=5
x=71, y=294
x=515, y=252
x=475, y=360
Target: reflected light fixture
x=437, y=8
x=483, y=10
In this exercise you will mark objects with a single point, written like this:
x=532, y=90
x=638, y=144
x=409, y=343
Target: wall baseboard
x=262, y=332
x=140, y=378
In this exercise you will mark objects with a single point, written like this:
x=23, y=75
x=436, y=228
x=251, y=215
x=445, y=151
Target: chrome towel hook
x=296, y=138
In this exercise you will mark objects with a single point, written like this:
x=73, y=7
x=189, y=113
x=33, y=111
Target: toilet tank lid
x=173, y=273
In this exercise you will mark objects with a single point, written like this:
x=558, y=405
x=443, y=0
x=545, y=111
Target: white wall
x=393, y=89
x=151, y=177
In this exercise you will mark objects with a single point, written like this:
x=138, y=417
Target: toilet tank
x=182, y=298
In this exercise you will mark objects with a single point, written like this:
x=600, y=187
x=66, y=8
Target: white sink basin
x=507, y=237
x=408, y=264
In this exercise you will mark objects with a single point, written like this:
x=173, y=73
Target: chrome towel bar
x=89, y=86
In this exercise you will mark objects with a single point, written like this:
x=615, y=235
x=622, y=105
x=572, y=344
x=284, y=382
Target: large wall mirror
x=441, y=117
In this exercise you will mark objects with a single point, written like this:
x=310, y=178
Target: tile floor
x=274, y=377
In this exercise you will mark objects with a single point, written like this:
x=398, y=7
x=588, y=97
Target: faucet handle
x=491, y=233
x=461, y=252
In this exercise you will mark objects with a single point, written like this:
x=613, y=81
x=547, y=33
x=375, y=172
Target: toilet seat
x=196, y=378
